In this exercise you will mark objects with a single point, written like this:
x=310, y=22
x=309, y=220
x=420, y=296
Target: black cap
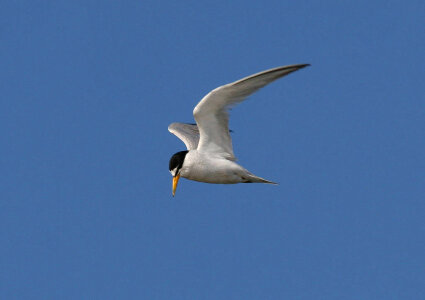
x=176, y=161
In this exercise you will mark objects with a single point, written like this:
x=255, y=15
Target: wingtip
x=296, y=67
x=304, y=65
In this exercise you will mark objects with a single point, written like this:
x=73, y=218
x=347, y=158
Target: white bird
x=209, y=156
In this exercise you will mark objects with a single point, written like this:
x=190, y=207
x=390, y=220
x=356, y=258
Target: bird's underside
x=203, y=167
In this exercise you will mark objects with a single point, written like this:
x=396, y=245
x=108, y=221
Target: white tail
x=255, y=179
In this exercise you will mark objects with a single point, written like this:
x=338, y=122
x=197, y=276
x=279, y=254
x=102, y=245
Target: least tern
x=209, y=156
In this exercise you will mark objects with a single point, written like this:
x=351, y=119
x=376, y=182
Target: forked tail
x=255, y=179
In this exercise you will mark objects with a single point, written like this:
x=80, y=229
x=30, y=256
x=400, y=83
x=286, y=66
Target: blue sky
x=88, y=89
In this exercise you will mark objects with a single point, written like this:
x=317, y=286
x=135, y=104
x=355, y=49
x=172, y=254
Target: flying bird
x=209, y=156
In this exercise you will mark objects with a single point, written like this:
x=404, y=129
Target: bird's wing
x=188, y=133
x=211, y=113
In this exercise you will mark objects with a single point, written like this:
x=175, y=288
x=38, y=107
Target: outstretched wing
x=211, y=113
x=188, y=133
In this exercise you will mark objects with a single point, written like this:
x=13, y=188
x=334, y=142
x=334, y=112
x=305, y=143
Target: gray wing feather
x=211, y=113
x=188, y=133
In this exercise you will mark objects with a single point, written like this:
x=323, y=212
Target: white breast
x=211, y=169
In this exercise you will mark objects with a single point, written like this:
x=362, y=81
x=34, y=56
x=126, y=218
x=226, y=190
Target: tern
x=209, y=156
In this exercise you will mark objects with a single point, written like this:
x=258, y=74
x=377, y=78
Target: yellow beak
x=175, y=181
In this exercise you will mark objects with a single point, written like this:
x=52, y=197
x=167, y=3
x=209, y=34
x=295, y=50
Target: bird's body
x=210, y=157
x=209, y=168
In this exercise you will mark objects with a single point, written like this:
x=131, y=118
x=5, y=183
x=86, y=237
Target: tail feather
x=255, y=179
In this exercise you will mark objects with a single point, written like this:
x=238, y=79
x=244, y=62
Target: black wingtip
x=304, y=65
x=296, y=67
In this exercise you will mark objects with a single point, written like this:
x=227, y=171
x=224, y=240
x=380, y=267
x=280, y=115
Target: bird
x=209, y=156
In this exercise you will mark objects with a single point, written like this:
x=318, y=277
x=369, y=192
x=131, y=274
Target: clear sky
x=88, y=89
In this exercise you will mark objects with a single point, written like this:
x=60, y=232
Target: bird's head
x=175, y=165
